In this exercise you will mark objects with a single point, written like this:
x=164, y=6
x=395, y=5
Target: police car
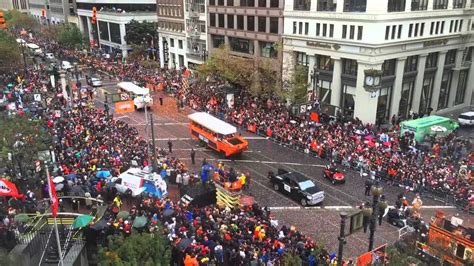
x=296, y=186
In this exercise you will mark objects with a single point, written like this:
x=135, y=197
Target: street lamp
x=342, y=239
x=377, y=191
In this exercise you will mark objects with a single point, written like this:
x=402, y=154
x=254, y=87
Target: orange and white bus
x=216, y=134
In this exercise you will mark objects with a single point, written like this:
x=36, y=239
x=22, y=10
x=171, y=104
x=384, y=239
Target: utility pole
x=55, y=223
x=153, y=163
x=376, y=190
x=342, y=239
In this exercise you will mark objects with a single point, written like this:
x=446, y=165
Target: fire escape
x=193, y=32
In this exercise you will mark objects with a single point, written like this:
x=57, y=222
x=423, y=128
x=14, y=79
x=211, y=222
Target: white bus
x=140, y=96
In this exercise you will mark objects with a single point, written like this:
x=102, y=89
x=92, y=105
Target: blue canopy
x=150, y=188
x=103, y=174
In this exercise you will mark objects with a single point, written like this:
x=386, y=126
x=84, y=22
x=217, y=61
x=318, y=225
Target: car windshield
x=465, y=117
x=306, y=184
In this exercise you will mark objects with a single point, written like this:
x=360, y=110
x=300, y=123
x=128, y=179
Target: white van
x=141, y=96
x=140, y=181
x=466, y=119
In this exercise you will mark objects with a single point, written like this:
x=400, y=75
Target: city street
x=264, y=156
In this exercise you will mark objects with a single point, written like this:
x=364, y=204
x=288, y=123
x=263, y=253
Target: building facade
x=171, y=33
x=20, y=5
x=55, y=11
x=112, y=17
x=250, y=28
x=423, y=49
x=196, y=32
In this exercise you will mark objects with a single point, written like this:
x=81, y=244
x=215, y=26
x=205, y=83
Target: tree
x=18, y=20
x=299, y=85
x=21, y=140
x=10, y=55
x=136, y=249
x=139, y=33
x=70, y=36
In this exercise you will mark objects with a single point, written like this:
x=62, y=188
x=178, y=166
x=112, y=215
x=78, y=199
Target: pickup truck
x=296, y=186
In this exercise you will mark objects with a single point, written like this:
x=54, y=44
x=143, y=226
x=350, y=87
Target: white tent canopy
x=212, y=123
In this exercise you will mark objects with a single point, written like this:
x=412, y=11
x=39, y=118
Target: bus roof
x=32, y=46
x=133, y=88
x=426, y=121
x=212, y=123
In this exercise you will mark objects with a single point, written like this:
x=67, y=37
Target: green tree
x=19, y=20
x=22, y=139
x=299, y=85
x=139, y=33
x=70, y=36
x=137, y=249
x=10, y=55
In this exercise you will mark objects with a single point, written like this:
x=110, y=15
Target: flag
x=9, y=189
x=53, y=196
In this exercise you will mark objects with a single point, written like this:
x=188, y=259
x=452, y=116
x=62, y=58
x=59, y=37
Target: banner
x=374, y=257
x=124, y=107
x=7, y=188
x=53, y=197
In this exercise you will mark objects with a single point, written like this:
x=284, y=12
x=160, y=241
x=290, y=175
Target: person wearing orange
x=190, y=260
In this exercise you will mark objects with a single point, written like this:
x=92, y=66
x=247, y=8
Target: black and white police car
x=297, y=186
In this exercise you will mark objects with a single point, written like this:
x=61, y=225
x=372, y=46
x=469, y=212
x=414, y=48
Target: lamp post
x=342, y=239
x=376, y=190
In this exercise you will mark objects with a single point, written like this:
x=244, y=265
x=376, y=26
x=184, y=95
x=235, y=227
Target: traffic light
x=94, y=15
x=43, y=13
x=3, y=25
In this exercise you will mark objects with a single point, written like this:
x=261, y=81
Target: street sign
x=37, y=97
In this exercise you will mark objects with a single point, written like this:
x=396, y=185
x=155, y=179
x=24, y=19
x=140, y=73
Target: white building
x=55, y=11
x=423, y=47
x=112, y=16
x=196, y=35
x=171, y=33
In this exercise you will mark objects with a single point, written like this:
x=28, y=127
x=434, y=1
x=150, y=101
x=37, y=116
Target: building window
x=437, y=27
x=267, y=49
x=324, y=62
x=302, y=59
x=103, y=31
x=460, y=25
x=251, y=23
x=180, y=44
x=229, y=3
x=417, y=5
x=344, y=31
x=442, y=27
x=355, y=5
x=274, y=25
x=387, y=32
x=406, y=99
x=221, y=20
x=274, y=3
x=325, y=29
x=220, y=2
x=410, y=30
x=417, y=25
x=411, y=64
x=456, y=22
x=212, y=19
x=432, y=28
x=262, y=3
x=399, y=31
x=462, y=85
x=388, y=67
x=295, y=27
x=217, y=40
x=241, y=45
x=440, y=4
x=300, y=28
x=422, y=29
x=304, y=5
x=240, y=22
x=171, y=42
x=394, y=31
x=396, y=6
x=230, y=21
x=249, y=3
x=459, y=3
x=450, y=57
x=331, y=30
x=262, y=24
x=445, y=89
x=326, y=5
x=306, y=28
x=115, y=32
x=349, y=67
x=318, y=29
x=359, y=32
x=426, y=94
x=431, y=60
